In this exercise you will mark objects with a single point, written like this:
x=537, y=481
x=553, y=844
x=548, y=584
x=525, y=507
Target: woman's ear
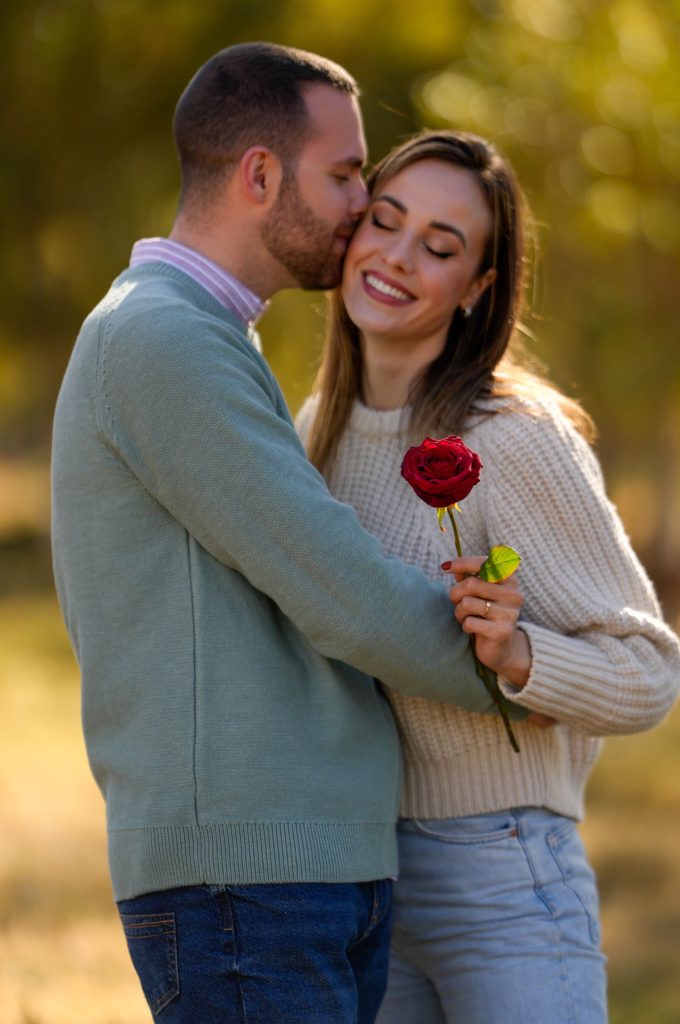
x=476, y=289
x=260, y=174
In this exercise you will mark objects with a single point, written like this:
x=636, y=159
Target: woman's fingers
x=461, y=567
x=473, y=594
x=465, y=571
x=498, y=625
x=490, y=613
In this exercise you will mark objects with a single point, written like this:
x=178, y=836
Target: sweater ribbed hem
x=151, y=859
x=482, y=780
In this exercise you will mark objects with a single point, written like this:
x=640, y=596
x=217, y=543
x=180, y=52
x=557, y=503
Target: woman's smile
x=385, y=289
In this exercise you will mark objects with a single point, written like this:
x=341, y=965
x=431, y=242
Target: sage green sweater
x=228, y=615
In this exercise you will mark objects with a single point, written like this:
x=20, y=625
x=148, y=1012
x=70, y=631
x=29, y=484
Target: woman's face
x=415, y=257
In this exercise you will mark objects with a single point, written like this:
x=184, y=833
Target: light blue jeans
x=495, y=922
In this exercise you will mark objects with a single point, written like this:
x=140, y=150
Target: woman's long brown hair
x=483, y=357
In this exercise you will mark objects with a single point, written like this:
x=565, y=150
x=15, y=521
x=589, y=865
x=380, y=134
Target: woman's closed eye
x=385, y=225
x=441, y=255
x=381, y=224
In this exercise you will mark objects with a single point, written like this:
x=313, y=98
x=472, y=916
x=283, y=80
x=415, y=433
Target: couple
x=255, y=660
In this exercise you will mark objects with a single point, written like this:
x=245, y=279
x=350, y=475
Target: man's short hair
x=248, y=94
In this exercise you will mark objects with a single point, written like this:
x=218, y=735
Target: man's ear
x=260, y=174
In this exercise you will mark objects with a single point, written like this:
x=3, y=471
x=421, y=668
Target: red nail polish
x=445, y=566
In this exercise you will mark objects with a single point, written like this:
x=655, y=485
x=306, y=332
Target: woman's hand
x=489, y=612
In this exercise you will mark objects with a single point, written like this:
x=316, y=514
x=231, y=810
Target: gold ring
x=486, y=610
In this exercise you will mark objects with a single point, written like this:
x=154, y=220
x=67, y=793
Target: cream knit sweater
x=603, y=660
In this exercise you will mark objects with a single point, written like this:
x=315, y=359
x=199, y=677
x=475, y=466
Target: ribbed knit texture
x=217, y=597
x=603, y=661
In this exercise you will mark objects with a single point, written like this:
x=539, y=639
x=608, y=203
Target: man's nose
x=359, y=198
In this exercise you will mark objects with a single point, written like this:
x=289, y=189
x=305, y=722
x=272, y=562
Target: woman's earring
x=467, y=312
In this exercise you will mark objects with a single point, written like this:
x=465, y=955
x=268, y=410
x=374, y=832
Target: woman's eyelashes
x=439, y=255
x=384, y=226
x=379, y=224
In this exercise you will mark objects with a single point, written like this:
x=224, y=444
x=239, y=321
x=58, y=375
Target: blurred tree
x=582, y=95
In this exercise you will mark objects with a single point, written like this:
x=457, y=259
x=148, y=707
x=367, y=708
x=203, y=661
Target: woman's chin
x=371, y=319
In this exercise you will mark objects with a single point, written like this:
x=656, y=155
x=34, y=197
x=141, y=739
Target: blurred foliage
x=582, y=95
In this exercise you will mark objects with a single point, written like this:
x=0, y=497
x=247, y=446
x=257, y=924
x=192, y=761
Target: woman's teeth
x=386, y=289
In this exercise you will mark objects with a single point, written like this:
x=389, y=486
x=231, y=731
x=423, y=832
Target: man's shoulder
x=158, y=291
x=148, y=313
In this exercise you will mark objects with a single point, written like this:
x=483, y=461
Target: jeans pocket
x=474, y=830
x=569, y=854
x=152, y=943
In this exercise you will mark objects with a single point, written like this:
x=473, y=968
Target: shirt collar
x=222, y=285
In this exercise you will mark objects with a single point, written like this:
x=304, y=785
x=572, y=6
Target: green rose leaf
x=500, y=564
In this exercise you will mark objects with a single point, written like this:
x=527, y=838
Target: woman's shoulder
x=544, y=414
x=305, y=416
x=533, y=431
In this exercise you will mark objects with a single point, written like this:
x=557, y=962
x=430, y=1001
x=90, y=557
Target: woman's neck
x=390, y=367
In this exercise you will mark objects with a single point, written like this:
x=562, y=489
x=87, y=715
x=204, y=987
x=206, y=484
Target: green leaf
x=441, y=512
x=500, y=564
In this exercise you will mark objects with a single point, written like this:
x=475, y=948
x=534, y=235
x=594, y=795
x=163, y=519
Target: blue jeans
x=261, y=954
x=495, y=922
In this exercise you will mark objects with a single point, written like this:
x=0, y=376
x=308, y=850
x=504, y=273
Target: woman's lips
x=382, y=289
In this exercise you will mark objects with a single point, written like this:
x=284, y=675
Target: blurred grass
x=62, y=958
x=62, y=955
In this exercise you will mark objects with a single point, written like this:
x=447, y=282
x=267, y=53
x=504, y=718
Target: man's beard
x=302, y=242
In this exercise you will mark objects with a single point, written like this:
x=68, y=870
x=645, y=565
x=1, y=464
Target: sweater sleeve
x=603, y=659
x=198, y=419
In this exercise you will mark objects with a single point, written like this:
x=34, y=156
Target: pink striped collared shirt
x=222, y=285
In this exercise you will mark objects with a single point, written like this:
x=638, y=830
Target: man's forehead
x=337, y=127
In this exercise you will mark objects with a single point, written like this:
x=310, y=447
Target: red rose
x=441, y=472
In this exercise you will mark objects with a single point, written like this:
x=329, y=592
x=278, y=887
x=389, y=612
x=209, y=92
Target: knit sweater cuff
x=571, y=680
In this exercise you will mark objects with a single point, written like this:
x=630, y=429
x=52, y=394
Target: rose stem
x=492, y=689
x=497, y=698
x=456, y=535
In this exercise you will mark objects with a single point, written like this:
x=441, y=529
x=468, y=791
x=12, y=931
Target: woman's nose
x=398, y=252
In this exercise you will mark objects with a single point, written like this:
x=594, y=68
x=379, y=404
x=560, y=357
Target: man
x=228, y=615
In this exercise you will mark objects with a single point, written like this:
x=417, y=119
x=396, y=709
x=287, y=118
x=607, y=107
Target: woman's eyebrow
x=438, y=224
x=390, y=199
x=441, y=226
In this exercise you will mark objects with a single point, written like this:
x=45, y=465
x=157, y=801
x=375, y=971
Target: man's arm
x=201, y=423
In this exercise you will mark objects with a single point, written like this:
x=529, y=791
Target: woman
x=496, y=914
